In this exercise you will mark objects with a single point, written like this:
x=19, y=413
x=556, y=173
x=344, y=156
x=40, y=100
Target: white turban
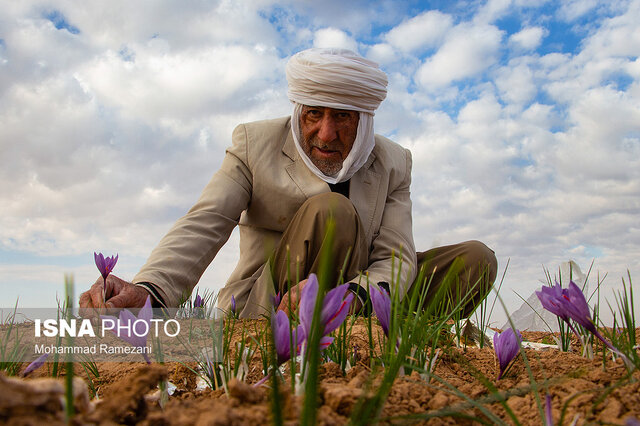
x=337, y=78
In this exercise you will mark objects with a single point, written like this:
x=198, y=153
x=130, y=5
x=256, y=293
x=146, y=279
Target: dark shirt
x=340, y=188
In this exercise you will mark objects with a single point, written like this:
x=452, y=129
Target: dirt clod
x=25, y=402
x=128, y=405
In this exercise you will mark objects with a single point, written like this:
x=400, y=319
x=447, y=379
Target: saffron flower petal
x=575, y=305
x=198, y=302
x=382, y=307
x=277, y=299
x=233, y=305
x=282, y=340
x=325, y=342
x=282, y=337
x=35, y=364
x=551, y=299
x=506, y=346
x=336, y=308
x=548, y=415
x=308, y=302
x=134, y=329
x=577, y=308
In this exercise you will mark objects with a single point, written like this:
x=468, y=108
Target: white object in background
x=536, y=345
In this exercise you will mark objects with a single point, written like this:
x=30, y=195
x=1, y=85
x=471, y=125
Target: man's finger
x=96, y=295
x=122, y=300
x=114, y=286
x=85, y=300
x=284, y=303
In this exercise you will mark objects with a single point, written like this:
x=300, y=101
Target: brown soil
x=583, y=391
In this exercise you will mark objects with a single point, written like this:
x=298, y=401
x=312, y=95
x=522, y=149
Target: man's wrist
x=363, y=299
x=362, y=303
x=156, y=300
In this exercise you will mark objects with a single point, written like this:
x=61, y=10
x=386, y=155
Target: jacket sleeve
x=392, y=257
x=177, y=263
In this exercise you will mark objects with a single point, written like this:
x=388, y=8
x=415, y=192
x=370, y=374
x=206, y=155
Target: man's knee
x=321, y=207
x=478, y=254
x=329, y=204
x=482, y=265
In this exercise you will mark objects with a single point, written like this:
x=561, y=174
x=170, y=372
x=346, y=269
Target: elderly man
x=281, y=180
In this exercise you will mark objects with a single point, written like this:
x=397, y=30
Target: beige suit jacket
x=261, y=184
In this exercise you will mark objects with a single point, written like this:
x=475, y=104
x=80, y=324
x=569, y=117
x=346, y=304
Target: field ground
x=583, y=391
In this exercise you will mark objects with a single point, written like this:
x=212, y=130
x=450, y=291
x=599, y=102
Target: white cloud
x=111, y=25
x=516, y=83
x=332, y=37
x=381, y=53
x=109, y=135
x=617, y=36
x=594, y=148
x=528, y=38
x=185, y=85
x=467, y=51
x=491, y=11
x=420, y=32
x=570, y=10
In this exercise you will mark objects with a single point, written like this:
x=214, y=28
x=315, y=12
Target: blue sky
x=523, y=119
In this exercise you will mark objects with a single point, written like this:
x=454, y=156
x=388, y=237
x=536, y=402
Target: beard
x=328, y=166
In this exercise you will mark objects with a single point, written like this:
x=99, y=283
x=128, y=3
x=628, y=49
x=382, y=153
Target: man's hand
x=295, y=298
x=119, y=294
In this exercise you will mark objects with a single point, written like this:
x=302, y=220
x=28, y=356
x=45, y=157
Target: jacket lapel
x=364, y=194
x=304, y=179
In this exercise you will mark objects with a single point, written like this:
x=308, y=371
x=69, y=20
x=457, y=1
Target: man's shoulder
x=388, y=150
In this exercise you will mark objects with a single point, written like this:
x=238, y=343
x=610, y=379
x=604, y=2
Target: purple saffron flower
x=570, y=303
x=198, y=302
x=334, y=310
x=506, y=345
x=233, y=305
x=567, y=303
x=381, y=306
x=35, y=364
x=105, y=264
x=134, y=330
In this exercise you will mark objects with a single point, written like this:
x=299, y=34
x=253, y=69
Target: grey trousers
x=468, y=268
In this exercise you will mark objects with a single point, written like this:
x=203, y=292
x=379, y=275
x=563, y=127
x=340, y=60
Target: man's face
x=327, y=136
